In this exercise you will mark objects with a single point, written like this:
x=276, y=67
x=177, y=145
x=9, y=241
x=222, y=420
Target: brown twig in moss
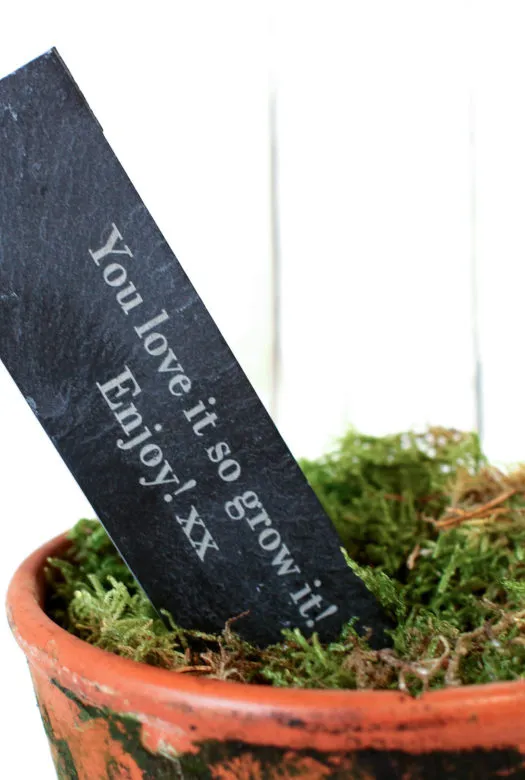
x=414, y=555
x=455, y=516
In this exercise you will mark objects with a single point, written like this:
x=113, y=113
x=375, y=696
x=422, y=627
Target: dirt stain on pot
x=122, y=756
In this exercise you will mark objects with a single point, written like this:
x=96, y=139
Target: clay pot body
x=107, y=717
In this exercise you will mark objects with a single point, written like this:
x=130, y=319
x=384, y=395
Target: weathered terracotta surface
x=107, y=717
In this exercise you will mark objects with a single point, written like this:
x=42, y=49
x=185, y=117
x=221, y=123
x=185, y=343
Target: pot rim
x=48, y=645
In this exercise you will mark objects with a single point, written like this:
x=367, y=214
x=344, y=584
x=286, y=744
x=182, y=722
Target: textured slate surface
x=127, y=373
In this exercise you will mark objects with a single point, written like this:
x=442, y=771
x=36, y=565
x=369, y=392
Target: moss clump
x=434, y=531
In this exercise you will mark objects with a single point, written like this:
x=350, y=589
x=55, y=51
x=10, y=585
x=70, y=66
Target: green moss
x=435, y=532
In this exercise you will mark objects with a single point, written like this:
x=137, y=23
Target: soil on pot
x=435, y=531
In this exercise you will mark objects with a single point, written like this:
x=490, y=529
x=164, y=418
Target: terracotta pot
x=107, y=717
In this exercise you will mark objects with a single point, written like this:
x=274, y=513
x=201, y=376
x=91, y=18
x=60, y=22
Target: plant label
x=121, y=363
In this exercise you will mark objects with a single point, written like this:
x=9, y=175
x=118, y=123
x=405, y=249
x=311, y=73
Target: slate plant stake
x=126, y=371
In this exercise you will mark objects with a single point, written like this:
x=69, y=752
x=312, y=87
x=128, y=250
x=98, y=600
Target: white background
x=401, y=184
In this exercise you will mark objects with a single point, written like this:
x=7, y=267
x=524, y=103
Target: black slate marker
x=128, y=374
